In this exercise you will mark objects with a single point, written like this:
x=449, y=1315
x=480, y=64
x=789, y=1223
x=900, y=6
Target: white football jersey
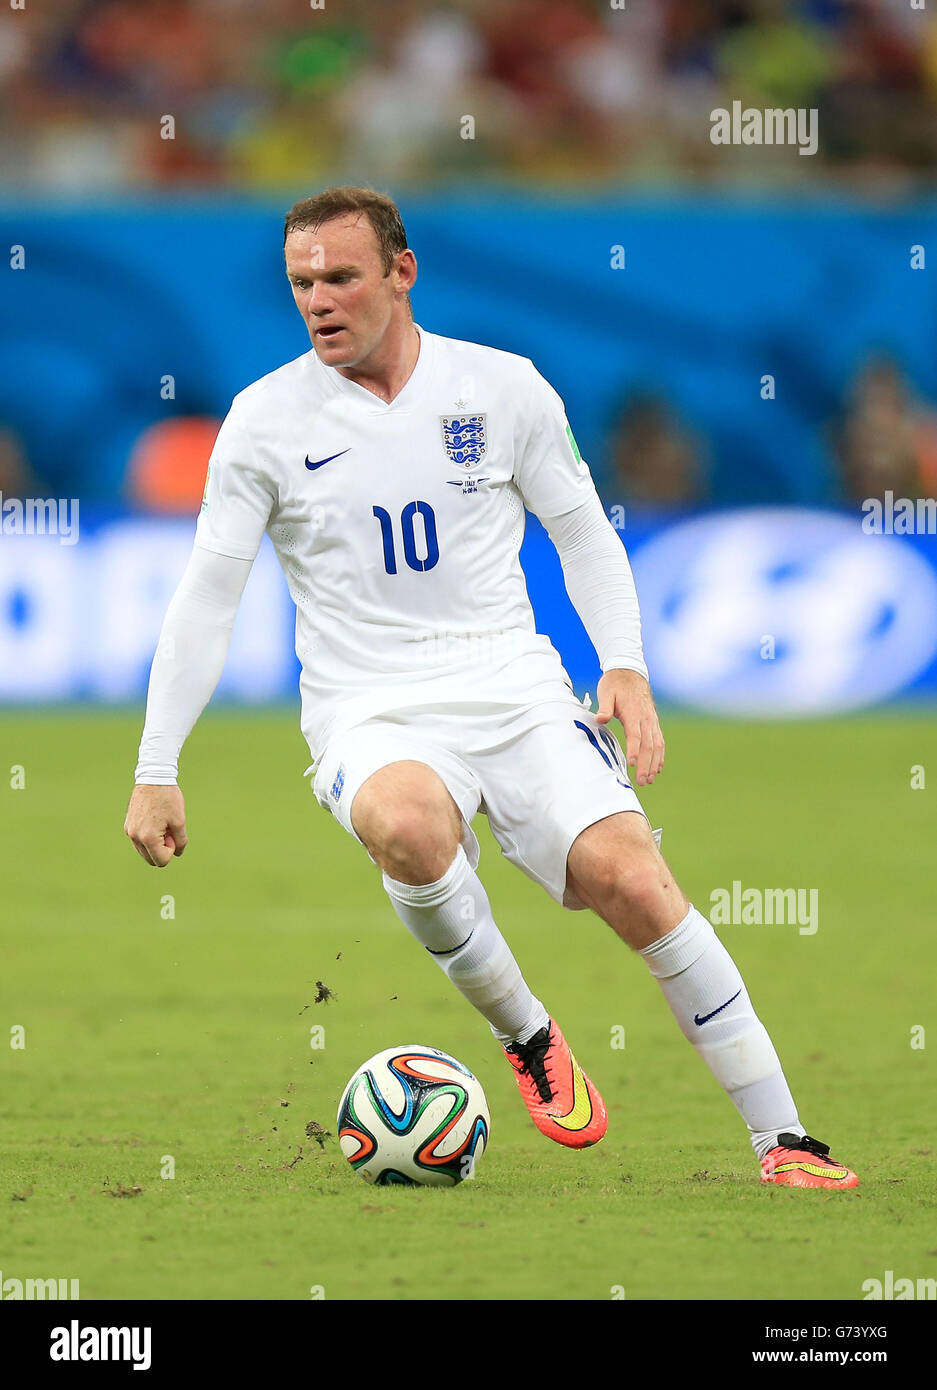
x=398, y=526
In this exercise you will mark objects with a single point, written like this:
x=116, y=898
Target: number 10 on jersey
x=409, y=536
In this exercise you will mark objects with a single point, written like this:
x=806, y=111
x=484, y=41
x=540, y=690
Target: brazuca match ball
x=413, y=1115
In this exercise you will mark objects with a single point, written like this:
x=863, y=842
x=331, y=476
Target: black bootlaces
x=804, y=1142
x=532, y=1054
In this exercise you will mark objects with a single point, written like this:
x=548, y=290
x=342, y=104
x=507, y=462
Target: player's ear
x=406, y=270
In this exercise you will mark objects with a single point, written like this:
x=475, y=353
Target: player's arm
x=240, y=498
x=193, y=644
x=601, y=588
x=557, y=487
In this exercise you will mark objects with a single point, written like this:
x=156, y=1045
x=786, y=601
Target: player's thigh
x=561, y=773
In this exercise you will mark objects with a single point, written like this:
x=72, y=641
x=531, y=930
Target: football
x=413, y=1115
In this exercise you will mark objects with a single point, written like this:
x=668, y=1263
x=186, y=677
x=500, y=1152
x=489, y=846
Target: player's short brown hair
x=381, y=211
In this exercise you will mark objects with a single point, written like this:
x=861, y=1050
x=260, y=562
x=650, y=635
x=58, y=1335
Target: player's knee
x=644, y=886
x=636, y=888
x=409, y=823
x=415, y=843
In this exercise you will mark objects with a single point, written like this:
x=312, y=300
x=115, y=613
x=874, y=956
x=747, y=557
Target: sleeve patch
x=572, y=443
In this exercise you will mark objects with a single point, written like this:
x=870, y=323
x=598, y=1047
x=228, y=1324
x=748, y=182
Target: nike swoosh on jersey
x=320, y=462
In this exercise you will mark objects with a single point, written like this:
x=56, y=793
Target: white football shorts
x=541, y=775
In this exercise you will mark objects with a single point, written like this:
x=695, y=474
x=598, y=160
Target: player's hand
x=156, y=823
x=628, y=695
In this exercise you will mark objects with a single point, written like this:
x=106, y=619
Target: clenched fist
x=156, y=823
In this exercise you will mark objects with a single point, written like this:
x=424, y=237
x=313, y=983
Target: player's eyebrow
x=321, y=274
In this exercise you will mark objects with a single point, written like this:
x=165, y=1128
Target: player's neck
x=388, y=369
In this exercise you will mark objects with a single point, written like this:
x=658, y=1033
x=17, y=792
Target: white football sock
x=452, y=919
x=705, y=991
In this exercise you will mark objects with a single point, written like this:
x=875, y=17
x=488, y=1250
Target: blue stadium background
x=713, y=296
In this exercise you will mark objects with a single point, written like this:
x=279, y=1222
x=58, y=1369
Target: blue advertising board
x=758, y=612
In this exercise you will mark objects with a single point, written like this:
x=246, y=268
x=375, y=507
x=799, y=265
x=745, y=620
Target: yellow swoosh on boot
x=580, y=1113
x=813, y=1168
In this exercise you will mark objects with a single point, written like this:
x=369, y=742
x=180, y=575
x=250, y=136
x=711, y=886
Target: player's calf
x=616, y=869
x=452, y=919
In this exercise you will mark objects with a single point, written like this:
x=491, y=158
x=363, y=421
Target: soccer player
x=391, y=468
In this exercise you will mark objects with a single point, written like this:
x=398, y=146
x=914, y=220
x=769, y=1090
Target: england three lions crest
x=465, y=438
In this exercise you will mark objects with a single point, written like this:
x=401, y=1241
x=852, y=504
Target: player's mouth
x=329, y=331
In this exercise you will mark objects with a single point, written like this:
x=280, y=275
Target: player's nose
x=320, y=300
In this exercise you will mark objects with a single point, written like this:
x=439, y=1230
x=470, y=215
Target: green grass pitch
x=151, y=1036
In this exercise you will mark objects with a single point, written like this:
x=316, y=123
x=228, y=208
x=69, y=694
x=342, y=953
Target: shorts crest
x=465, y=438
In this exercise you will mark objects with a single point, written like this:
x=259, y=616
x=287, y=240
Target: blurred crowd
x=883, y=437
x=268, y=94
x=271, y=96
